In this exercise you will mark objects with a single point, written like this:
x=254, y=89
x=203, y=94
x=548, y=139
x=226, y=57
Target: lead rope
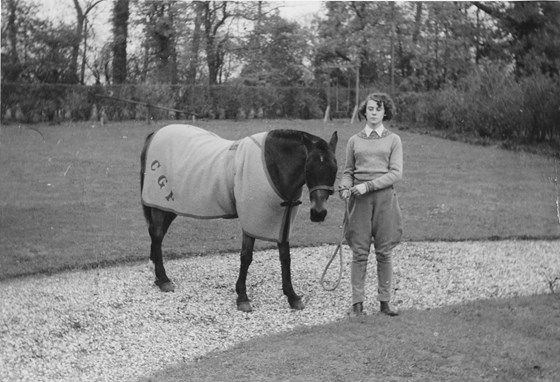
x=339, y=251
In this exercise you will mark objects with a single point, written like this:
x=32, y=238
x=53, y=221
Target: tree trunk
x=392, y=48
x=417, y=23
x=212, y=24
x=81, y=15
x=210, y=48
x=11, y=31
x=173, y=79
x=195, y=45
x=145, y=63
x=84, y=52
x=120, y=35
x=72, y=75
x=163, y=35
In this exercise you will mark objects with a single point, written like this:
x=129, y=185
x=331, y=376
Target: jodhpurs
x=373, y=218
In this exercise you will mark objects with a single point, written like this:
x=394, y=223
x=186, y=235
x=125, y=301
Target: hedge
x=491, y=105
x=487, y=104
x=49, y=102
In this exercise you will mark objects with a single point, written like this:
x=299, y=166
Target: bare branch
x=90, y=7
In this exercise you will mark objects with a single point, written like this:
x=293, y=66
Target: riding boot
x=384, y=282
x=356, y=310
x=358, y=273
x=384, y=277
x=386, y=308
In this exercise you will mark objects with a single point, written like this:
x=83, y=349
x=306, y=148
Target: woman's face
x=375, y=112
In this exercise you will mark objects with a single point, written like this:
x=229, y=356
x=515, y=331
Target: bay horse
x=259, y=179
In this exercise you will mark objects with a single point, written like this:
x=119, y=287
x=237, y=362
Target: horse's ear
x=333, y=141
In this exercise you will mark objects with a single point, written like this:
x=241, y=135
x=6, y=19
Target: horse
x=189, y=171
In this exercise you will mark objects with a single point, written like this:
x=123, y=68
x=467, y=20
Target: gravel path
x=114, y=325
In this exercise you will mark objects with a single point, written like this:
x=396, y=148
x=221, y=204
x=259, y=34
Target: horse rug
x=193, y=172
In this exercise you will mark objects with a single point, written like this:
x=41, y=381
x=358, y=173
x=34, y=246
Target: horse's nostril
x=318, y=216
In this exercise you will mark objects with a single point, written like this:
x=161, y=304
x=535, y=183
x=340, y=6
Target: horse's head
x=320, y=173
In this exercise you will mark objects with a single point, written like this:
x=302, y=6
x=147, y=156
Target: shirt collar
x=368, y=130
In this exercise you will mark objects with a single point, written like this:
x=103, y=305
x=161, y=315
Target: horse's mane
x=296, y=135
x=322, y=145
x=288, y=133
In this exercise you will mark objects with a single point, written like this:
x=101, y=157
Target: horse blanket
x=194, y=172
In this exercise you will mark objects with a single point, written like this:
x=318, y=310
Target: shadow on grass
x=514, y=339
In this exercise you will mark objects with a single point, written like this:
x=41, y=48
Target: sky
x=296, y=10
x=63, y=10
x=292, y=10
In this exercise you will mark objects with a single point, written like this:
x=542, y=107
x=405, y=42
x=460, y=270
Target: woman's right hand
x=344, y=194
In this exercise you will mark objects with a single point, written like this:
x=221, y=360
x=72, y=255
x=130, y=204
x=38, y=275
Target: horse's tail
x=143, y=157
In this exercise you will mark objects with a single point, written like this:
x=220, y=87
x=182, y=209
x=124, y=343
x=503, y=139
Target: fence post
x=327, y=114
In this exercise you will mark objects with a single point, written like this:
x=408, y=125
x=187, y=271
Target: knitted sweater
x=374, y=160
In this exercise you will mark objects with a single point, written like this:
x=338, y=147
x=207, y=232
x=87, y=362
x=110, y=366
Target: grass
x=70, y=195
x=504, y=340
x=69, y=198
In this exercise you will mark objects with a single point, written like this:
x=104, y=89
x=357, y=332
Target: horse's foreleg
x=158, y=226
x=285, y=261
x=247, y=246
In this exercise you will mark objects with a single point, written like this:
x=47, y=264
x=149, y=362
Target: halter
x=330, y=189
x=289, y=204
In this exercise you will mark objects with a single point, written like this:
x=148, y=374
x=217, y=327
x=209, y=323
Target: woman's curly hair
x=385, y=99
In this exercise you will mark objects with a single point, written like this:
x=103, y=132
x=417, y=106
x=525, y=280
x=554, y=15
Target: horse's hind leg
x=288, y=289
x=247, y=246
x=158, y=226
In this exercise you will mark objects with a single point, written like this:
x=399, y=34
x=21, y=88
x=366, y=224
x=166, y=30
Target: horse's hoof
x=166, y=286
x=244, y=306
x=297, y=305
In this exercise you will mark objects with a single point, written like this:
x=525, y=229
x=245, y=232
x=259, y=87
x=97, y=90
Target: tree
x=194, y=46
x=36, y=50
x=417, y=46
x=120, y=35
x=81, y=36
x=162, y=22
x=51, y=52
x=215, y=14
x=447, y=53
x=274, y=53
x=11, y=67
x=357, y=33
x=532, y=34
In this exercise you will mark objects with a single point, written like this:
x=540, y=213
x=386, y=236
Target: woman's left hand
x=360, y=189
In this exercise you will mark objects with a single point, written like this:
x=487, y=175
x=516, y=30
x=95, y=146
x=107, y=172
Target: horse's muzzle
x=318, y=216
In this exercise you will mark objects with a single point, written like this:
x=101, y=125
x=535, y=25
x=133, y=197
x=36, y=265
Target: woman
x=374, y=163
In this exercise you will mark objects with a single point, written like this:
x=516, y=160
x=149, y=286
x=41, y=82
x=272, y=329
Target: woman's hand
x=360, y=189
x=344, y=193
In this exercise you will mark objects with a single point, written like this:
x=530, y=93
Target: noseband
x=330, y=189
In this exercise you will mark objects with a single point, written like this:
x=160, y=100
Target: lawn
x=503, y=340
x=69, y=199
x=70, y=195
